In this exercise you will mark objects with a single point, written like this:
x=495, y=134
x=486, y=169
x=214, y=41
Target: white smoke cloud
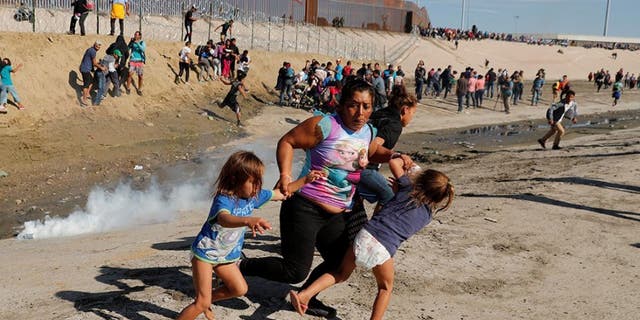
x=121, y=208
x=124, y=207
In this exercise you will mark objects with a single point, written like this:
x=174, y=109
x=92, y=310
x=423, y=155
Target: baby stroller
x=23, y=13
x=303, y=98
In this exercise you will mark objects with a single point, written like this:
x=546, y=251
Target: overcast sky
x=540, y=16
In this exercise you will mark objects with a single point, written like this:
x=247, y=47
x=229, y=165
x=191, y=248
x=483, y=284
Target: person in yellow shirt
x=119, y=8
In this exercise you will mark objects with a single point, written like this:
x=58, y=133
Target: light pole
x=464, y=2
x=606, y=18
x=515, y=21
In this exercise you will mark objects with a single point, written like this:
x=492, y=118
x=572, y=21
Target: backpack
x=199, y=49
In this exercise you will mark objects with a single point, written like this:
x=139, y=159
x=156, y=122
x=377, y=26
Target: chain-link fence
x=163, y=20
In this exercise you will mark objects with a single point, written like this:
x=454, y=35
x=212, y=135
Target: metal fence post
x=284, y=26
x=210, y=19
x=253, y=18
x=97, y=16
x=308, y=37
x=269, y=35
x=384, y=55
x=33, y=17
x=319, y=29
x=296, y=50
x=180, y=21
x=140, y=4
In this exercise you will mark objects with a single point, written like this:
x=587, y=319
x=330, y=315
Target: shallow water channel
x=443, y=145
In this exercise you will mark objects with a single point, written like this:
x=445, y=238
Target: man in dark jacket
x=462, y=87
x=419, y=75
x=80, y=13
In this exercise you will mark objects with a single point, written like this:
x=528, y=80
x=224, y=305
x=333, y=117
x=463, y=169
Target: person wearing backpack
x=121, y=68
x=205, y=54
x=81, y=9
x=566, y=108
x=617, y=92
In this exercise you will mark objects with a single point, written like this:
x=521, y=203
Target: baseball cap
x=117, y=53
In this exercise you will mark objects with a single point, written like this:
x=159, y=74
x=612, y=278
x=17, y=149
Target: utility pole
x=464, y=3
x=606, y=18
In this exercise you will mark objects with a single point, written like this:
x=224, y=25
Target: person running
x=119, y=8
x=80, y=12
x=7, y=87
x=231, y=99
x=558, y=111
x=319, y=214
x=226, y=27
x=218, y=245
x=89, y=62
x=185, y=62
x=138, y=60
x=617, y=92
x=188, y=22
x=419, y=197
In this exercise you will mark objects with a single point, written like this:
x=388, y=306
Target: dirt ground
x=532, y=234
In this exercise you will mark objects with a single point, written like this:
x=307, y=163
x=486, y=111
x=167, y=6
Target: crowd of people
x=118, y=67
x=453, y=34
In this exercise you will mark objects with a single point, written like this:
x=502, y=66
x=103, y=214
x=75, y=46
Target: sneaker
x=541, y=142
x=556, y=148
x=318, y=309
x=3, y=110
